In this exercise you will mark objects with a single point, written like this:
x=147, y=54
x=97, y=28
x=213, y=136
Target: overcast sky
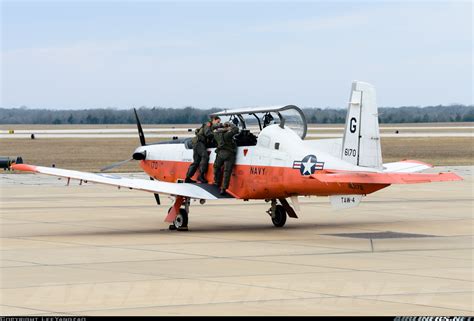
x=87, y=54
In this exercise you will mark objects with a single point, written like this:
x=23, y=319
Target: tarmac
x=96, y=250
x=422, y=130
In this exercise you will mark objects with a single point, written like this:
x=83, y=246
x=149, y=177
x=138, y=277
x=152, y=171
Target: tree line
x=191, y=115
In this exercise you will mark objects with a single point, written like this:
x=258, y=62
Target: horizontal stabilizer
x=384, y=178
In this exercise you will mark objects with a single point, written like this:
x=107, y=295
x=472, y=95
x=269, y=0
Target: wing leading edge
x=181, y=189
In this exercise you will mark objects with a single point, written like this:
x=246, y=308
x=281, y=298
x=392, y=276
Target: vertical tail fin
x=361, y=143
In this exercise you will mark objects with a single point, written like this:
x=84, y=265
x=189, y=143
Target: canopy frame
x=253, y=111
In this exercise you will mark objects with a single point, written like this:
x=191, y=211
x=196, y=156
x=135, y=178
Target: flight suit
x=200, y=155
x=225, y=155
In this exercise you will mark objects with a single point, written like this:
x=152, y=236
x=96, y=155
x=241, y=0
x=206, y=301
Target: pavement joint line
x=150, y=278
x=418, y=304
x=197, y=236
x=165, y=279
x=124, y=246
x=375, y=270
x=416, y=275
x=6, y=267
x=355, y=270
x=169, y=277
x=276, y=242
x=414, y=293
x=343, y=269
x=112, y=262
x=200, y=304
x=381, y=251
x=440, y=257
x=365, y=297
x=426, y=268
x=20, y=307
x=335, y=295
x=348, y=252
x=364, y=225
x=272, y=255
x=172, y=277
x=262, y=241
x=319, y=295
x=137, y=249
x=232, y=302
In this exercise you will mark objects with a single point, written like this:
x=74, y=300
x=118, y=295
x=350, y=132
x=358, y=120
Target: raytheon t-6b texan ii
x=273, y=163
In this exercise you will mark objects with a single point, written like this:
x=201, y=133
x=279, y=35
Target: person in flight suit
x=201, y=142
x=225, y=154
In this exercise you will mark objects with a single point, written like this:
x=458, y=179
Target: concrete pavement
x=95, y=250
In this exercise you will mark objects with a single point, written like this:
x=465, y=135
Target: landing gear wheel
x=180, y=223
x=279, y=218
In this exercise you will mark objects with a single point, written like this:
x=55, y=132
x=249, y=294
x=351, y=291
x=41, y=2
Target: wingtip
x=451, y=176
x=24, y=167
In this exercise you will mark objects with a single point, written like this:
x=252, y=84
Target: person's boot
x=223, y=191
x=202, y=179
x=189, y=180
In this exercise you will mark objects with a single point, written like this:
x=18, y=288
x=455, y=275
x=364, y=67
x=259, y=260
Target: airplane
x=274, y=165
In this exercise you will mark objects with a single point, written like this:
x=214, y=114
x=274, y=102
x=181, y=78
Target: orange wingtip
x=24, y=167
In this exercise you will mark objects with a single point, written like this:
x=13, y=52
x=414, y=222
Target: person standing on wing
x=225, y=154
x=200, y=156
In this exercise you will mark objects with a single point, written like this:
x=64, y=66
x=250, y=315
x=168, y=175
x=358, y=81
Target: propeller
x=136, y=155
x=140, y=130
x=106, y=168
x=157, y=196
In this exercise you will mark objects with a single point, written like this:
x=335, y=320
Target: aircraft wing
x=181, y=189
x=384, y=178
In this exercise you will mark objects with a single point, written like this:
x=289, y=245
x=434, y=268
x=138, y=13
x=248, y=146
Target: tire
x=181, y=221
x=280, y=216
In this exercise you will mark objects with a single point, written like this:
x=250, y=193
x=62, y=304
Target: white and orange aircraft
x=275, y=165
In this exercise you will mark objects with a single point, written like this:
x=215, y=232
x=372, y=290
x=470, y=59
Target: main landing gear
x=180, y=223
x=179, y=212
x=279, y=212
x=180, y=220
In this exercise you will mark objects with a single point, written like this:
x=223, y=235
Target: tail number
x=350, y=152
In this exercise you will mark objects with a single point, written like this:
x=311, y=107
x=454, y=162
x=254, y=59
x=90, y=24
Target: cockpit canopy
x=257, y=118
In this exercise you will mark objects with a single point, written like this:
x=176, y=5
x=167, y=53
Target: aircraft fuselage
x=279, y=166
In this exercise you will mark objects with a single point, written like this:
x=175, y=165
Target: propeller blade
x=157, y=196
x=106, y=168
x=140, y=130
